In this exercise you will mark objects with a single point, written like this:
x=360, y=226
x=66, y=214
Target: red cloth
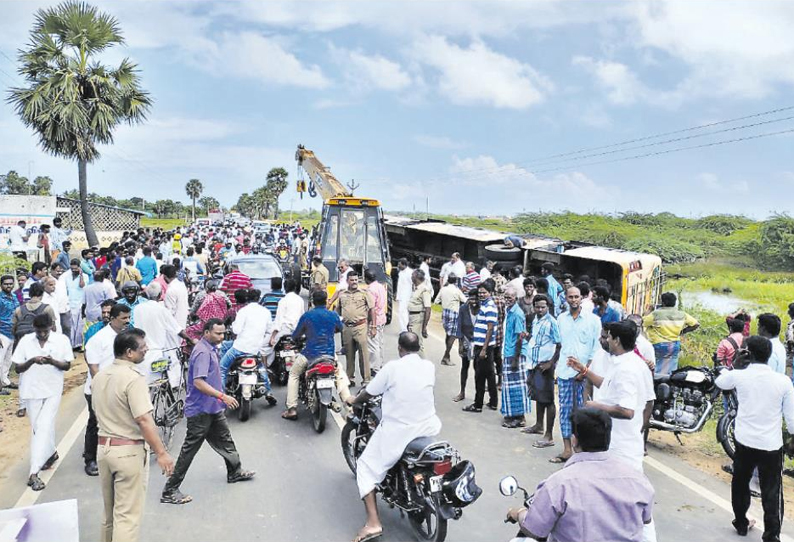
x=236, y=280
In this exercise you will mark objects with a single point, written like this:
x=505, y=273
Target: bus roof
x=616, y=255
x=467, y=232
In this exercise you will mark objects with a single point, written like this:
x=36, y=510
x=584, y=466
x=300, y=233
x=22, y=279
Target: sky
x=455, y=107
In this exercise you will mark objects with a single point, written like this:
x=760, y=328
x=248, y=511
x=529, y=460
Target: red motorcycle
x=316, y=389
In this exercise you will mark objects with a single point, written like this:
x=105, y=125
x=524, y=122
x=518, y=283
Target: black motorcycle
x=429, y=483
x=685, y=400
x=316, y=389
x=244, y=383
x=284, y=355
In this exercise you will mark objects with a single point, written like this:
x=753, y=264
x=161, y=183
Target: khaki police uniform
x=119, y=395
x=319, y=277
x=421, y=299
x=355, y=307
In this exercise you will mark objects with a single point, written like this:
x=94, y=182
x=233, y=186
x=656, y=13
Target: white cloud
x=478, y=75
x=266, y=59
x=438, y=142
x=369, y=72
x=574, y=190
x=709, y=180
x=622, y=86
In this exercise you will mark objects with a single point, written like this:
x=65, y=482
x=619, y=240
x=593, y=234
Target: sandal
x=368, y=536
x=50, y=462
x=242, y=476
x=290, y=414
x=543, y=444
x=35, y=483
x=21, y=412
x=175, y=497
x=459, y=397
x=472, y=408
x=558, y=459
x=532, y=430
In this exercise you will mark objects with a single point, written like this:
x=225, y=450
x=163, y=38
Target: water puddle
x=718, y=302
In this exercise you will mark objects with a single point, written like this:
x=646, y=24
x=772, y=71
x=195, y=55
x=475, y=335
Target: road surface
x=303, y=490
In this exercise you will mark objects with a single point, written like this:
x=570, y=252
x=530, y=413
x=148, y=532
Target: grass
x=164, y=223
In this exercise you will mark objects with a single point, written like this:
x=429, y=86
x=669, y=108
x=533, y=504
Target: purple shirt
x=595, y=497
x=204, y=363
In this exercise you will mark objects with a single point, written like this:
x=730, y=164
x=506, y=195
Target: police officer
x=358, y=311
x=419, y=308
x=124, y=415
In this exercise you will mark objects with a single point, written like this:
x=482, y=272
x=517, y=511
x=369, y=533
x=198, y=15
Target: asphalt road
x=303, y=490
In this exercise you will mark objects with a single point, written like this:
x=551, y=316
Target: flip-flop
x=287, y=416
x=532, y=431
x=50, y=462
x=543, y=444
x=368, y=536
x=35, y=483
x=241, y=476
x=472, y=408
x=557, y=460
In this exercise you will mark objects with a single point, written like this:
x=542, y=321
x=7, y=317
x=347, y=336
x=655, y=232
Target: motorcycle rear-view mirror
x=508, y=486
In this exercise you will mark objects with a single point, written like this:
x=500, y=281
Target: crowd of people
x=563, y=343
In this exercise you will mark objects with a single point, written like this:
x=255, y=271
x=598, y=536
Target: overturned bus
x=636, y=278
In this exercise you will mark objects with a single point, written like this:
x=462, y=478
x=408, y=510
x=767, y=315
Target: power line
x=677, y=149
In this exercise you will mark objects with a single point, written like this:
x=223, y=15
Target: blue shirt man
x=318, y=326
x=8, y=304
x=270, y=300
x=147, y=266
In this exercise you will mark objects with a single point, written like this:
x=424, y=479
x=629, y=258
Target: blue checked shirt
x=515, y=325
x=544, y=340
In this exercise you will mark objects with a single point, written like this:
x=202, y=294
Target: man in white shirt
x=485, y=272
x=344, y=269
x=41, y=358
x=290, y=309
x=409, y=412
x=50, y=285
x=176, y=299
x=765, y=398
x=18, y=240
x=458, y=266
x=98, y=355
x=37, y=272
x=163, y=334
x=643, y=348
x=625, y=393
x=404, y=290
x=61, y=299
x=251, y=325
x=769, y=326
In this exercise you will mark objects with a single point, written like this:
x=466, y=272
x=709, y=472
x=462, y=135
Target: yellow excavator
x=351, y=227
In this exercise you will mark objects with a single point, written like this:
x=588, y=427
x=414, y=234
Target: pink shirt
x=379, y=298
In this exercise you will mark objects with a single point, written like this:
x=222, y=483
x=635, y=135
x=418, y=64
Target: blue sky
x=450, y=103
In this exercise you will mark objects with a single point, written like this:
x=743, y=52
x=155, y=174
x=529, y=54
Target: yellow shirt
x=119, y=394
x=664, y=325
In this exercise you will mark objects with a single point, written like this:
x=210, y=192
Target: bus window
x=374, y=254
x=352, y=238
x=331, y=235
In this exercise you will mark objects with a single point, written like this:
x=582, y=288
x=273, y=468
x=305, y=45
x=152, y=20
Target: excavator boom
x=319, y=175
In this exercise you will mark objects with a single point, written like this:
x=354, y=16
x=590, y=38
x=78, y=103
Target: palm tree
x=73, y=102
x=194, y=188
x=276, y=184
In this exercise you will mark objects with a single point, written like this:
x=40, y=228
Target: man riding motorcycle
x=408, y=413
x=318, y=326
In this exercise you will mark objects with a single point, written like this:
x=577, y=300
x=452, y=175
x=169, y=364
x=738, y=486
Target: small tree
x=71, y=101
x=276, y=184
x=194, y=188
x=207, y=203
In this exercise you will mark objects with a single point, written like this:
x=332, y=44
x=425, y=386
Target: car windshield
x=260, y=268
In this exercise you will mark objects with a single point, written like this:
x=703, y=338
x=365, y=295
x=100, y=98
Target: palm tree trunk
x=194, y=209
x=88, y=226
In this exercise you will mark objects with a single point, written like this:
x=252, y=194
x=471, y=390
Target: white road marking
x=703, y=492
x=29, y=497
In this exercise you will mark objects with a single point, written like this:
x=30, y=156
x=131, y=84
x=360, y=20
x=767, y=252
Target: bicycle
x=168, y=402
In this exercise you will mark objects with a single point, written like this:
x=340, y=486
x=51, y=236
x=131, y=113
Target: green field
x=165, y=223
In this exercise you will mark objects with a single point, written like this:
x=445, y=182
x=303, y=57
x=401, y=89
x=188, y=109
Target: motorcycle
x=316, y=390
x=282, y=254
x=508, y=487
x=684, y=401
x=285, y=351
x=429, y=484
x=244, y=383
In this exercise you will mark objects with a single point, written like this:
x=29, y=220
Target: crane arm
x=326, y=184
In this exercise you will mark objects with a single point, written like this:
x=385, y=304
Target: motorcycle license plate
x=325, y=384
x=435, y=483
x=288, y=354
x=247, y=378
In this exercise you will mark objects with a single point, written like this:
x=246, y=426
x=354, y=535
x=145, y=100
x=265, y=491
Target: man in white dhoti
x=163, y=335
x=408, y=412
x=405, y=288
x=41, y=358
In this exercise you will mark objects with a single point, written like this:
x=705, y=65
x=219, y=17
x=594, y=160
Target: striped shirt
x=470, y=281
x=270, y=301
x=544, y=341
x=234, y=281
x=488, y=315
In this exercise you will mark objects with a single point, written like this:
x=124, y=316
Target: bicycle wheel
x=161, y=414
